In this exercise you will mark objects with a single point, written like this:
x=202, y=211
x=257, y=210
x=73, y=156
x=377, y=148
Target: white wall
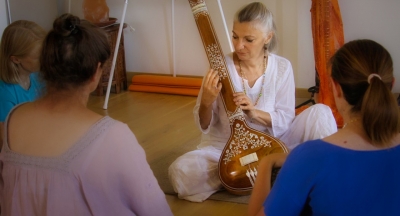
x=148, y=49
x=376, y=20
x=43, y=12
x=3, y=16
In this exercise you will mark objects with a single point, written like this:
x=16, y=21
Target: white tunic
x=194, y=175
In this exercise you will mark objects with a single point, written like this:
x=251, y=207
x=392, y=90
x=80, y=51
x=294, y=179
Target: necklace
x=351, y=121
x=263, y=80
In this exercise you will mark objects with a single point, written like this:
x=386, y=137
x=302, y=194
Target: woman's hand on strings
x=211, y=87
x=261, y=117
x=241, y=100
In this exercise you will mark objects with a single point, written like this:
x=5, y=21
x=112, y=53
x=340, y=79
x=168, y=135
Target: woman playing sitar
x=259, y=85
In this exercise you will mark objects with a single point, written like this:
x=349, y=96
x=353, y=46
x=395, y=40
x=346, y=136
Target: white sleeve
x=284, y=111
x=196, y=112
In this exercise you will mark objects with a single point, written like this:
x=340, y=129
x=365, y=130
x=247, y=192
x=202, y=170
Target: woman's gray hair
x=264, y=19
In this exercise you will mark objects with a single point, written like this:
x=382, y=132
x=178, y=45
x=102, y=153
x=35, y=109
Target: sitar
x=246, y=146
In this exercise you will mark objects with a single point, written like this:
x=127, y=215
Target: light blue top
x=319, y=178
x=13, y=94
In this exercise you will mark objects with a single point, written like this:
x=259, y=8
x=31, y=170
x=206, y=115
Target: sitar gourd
x=246, y=146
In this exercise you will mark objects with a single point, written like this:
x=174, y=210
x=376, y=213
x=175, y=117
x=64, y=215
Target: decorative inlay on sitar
x=246, y=146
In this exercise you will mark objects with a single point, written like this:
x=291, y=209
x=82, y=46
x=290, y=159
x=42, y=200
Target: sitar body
x=246, y=146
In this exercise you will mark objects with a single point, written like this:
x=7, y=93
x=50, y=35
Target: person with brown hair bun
x=20, y=82
x=59, y=157
x=356, y=170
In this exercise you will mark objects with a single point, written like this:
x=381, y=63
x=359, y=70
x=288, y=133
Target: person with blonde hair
x=61, y=158
x=354, y=171
x=20, y=49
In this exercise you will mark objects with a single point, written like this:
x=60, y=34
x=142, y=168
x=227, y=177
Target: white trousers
x=194, y=175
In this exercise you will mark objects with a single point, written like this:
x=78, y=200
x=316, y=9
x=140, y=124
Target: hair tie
x=72, y=29
x=373, y=75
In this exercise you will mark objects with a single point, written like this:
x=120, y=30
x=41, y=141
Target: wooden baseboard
x=300, y=92
x=129, y=75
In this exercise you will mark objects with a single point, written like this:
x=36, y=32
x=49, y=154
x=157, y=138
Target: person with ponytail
x=356, y=170
x=59, y=157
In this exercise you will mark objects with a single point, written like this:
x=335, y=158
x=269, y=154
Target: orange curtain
x=327, y=31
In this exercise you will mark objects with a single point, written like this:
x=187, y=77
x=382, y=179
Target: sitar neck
x=214, y=52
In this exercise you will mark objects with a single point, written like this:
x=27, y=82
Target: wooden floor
x=156, y=117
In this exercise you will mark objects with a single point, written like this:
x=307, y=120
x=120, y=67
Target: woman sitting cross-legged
x=354, y=171
x=59, y=157
x=264, y=90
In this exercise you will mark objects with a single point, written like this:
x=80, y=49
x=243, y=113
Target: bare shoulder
x=43, y=128
x=343, y=139
x=21, y=113
x=333, y=138
x=355, y=141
